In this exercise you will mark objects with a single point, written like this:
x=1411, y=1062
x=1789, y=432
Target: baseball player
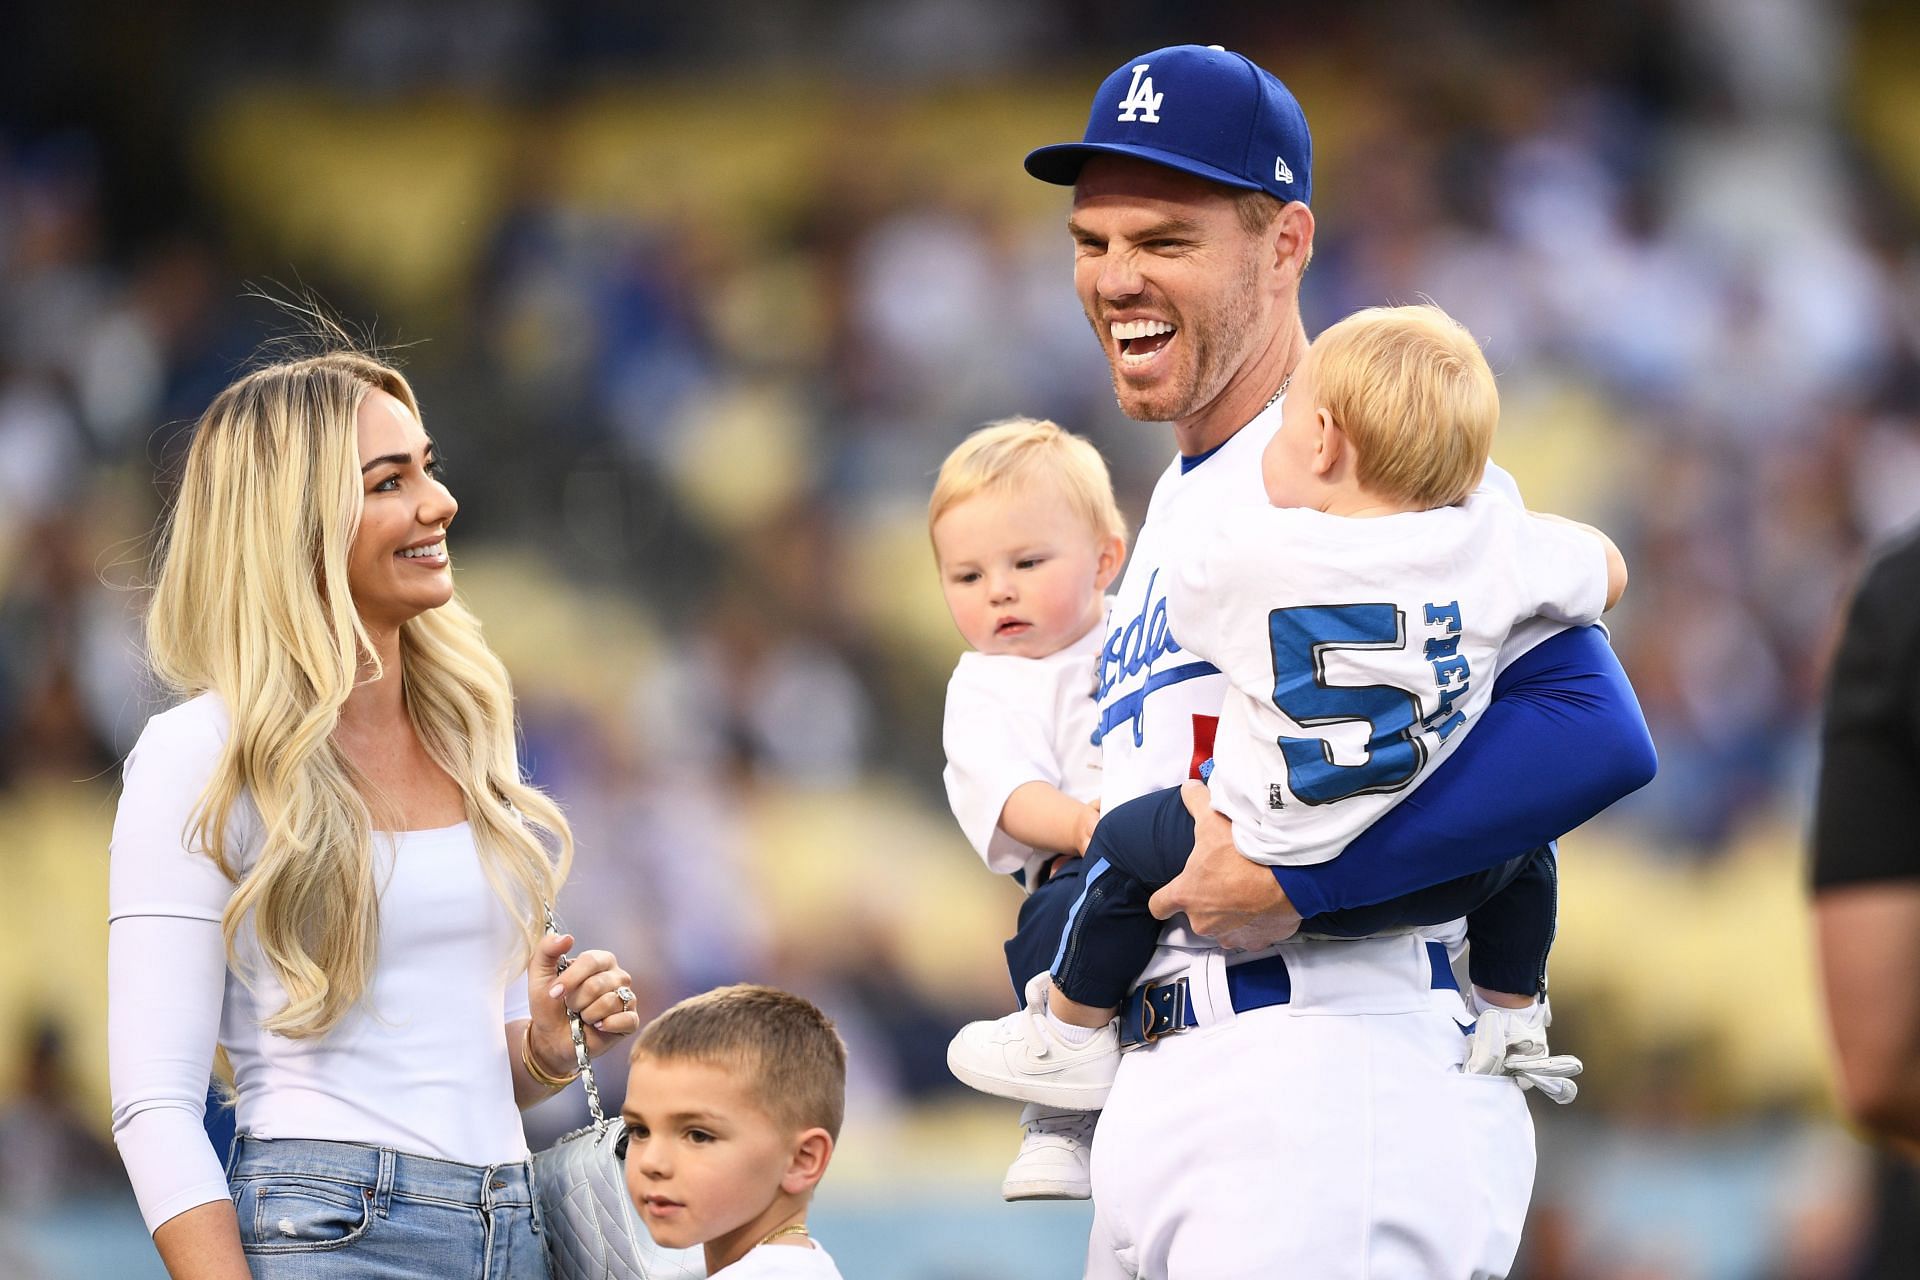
x=1388, y=587
x=1027, y=538
x=1256, y=1135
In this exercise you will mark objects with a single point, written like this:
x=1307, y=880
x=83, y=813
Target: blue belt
x=1155, y=1009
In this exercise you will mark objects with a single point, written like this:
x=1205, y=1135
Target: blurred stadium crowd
x=695, y=306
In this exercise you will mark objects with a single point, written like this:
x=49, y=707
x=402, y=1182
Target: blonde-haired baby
x=1027, y=537
x=734, y=1102
x=1358, y=620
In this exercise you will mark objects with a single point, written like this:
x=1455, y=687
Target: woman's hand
x=593, y=983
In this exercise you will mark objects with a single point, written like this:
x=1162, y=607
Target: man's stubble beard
x=1221, y=339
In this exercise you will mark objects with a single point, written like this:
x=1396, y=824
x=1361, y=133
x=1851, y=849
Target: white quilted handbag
x=591, y=1227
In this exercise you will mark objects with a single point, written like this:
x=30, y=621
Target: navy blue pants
x=1043, y=918
x=1109, y=934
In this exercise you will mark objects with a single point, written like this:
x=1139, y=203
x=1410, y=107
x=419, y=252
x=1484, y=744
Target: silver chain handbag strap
x=580, y=1060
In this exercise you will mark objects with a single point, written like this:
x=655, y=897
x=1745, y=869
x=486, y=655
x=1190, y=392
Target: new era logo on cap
x=1200, y=109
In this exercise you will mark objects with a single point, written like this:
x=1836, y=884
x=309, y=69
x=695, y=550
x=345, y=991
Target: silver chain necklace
x=1276, y=395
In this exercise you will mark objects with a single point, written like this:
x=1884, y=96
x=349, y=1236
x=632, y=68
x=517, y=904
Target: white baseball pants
x=1330, y=1137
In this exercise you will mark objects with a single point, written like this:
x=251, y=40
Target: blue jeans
x=314, y=1210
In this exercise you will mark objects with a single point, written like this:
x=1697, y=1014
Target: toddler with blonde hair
x=1027, y=537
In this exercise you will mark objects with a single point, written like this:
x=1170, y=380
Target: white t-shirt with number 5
x=1358, y=652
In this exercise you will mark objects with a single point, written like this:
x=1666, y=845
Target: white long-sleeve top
x=419, y=1064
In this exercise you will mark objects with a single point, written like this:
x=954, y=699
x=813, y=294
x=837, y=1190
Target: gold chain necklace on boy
x=791, y=1229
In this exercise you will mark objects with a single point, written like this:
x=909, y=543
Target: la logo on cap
x=1141, y=102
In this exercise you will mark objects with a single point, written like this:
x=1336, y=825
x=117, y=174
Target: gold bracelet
x=535, y=1071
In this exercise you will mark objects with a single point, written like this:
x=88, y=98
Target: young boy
x=1027, y=538
x=1358, y=620
x=734, y=1102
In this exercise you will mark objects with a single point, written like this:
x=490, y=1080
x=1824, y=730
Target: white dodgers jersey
x=1358, y=652
x=1160, y=703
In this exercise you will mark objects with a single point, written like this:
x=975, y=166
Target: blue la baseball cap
x=1199, y=109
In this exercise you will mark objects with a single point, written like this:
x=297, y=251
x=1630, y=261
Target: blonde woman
x=325, y=860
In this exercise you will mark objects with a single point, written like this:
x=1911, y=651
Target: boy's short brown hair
x=782, y=1045
x=1412, y=391
x=1015, y=451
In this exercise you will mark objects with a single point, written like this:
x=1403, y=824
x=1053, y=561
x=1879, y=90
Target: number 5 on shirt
x=1302, y=636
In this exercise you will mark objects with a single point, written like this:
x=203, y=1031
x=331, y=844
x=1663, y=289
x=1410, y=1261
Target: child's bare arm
x=1041, y=815
x=1616, y=563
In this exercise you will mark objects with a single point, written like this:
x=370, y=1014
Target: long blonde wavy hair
x=251, y=602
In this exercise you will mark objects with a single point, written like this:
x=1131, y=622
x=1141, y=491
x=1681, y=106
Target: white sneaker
x=1052, y=1164
x=1513, y=1042
x=1020, y=1057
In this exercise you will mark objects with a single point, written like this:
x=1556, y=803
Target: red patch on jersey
x=1203, y=730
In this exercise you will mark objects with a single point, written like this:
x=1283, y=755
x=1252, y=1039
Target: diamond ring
x=626, y=997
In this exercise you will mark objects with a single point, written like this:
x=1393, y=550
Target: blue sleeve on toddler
x=1563, y=738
